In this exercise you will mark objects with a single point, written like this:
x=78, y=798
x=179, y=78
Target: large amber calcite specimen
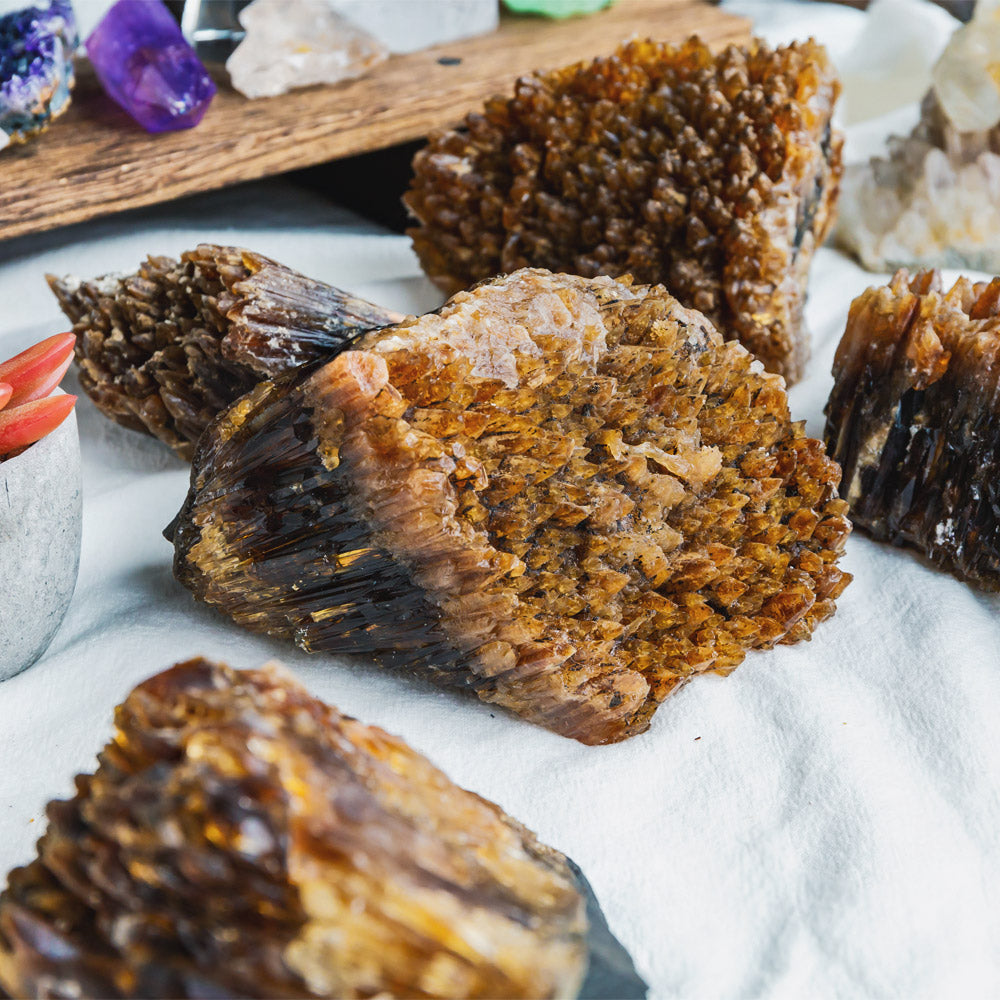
x=716, y=175
x=242, y=839
x=164, y=350
x=568, y=495
x=914, y=419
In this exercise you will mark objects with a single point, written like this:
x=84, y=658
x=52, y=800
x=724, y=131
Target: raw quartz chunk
x=934, y=200
x=242, y=839
x=913, y=420
x=163, y=350
x=568, y=495
x=298, y=43
x=716, y=175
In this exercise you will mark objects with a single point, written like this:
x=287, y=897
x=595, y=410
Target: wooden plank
x=95, y=160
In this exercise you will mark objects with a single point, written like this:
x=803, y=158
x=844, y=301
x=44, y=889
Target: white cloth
x=822, y=823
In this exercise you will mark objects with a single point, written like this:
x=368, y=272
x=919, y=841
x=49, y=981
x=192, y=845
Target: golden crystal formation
x=164, y=350
x=912, y=419
x=242, y=839
x=716, y=176
x=569, y=495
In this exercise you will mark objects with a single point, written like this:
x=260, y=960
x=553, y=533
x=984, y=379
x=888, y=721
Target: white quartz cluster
x=934, y=201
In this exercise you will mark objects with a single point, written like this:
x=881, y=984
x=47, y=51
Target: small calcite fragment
x=164, y=350
x=298, y=43
x=36, y=68
x=566, y=495
x=240, y=838
x=146, y=66
x=714, y=174
x=914, y=420
x=934, y=199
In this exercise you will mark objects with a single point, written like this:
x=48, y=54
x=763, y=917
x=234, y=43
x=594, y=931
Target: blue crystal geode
x=36, y=68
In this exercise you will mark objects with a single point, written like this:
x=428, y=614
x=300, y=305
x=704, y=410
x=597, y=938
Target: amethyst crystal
x=146, y=66
x=36, y=68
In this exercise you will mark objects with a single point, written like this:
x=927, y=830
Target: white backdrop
x=822, y=823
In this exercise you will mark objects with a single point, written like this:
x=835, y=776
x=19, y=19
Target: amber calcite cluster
x=914, y=419
x=566, y=494
x=715, y=175
x=242, y=839
x=164, y=350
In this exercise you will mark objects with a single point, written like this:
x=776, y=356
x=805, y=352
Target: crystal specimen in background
x=913, y=420
x=36, y=68
x=164, y=350
x=409, y=25
x=934, y=201
x=297, y=43
x=146, y=66
x=566, y=495
x=716, y=175
x=240, y=838
x=556, y=8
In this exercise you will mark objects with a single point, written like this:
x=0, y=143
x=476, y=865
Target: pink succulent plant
x=27, y=411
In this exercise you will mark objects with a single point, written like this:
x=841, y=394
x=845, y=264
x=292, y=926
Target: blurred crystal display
x=934, y=200
x=145, y=65
x=556, y=8
x=36, y=68
x=410, y=25
x=298, y=43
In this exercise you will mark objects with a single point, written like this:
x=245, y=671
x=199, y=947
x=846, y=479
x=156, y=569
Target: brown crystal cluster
x=567, y=494
x=914, y=419
x=242, y=839
x=716, y=175
x=164, y=350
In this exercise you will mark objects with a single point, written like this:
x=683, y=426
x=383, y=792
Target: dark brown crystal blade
x=164, y=350
x=567, y=494
x=716, y=175
x=914, y=420
x=242, y=839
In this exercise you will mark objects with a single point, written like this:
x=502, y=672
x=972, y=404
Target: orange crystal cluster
x=716, y=175
x=242, y=839
x=569, y=495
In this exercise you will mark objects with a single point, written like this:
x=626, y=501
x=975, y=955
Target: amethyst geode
x=146, y=66
x=36, y=68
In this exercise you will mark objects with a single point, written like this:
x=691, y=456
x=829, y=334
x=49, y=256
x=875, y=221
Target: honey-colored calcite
x=713, y=174
x=240, y=838
x=568, y=495
x=163, y=350
x=914, y=419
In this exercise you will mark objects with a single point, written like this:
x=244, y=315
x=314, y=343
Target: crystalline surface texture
x=241, y=839
x=566, y=494
x=914, y=420
x=164, y=350
x=36, y=67
x=146, y=66
x=715, y=175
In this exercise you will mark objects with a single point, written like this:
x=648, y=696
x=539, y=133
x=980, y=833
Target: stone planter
x=40, y=522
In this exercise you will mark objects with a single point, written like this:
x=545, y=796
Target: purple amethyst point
x=36, y=68
x=146, y=66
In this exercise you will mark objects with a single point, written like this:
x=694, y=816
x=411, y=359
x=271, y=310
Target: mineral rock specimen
x=935, y=200
x=146, y=66
x=36, y=68
x=715, y=175
x=913, y=420
x=164, y=350
x=568, y=495
x=297, y=43
x=242, y=839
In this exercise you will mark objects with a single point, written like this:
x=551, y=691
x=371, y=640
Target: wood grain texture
x=95, y=160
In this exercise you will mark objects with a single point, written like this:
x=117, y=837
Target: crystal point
x=146, y=66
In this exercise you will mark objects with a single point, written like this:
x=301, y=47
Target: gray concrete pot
x=40, y=522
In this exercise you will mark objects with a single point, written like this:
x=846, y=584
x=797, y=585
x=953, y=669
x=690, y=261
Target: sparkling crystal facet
x=36, y=68
x=146, y=66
